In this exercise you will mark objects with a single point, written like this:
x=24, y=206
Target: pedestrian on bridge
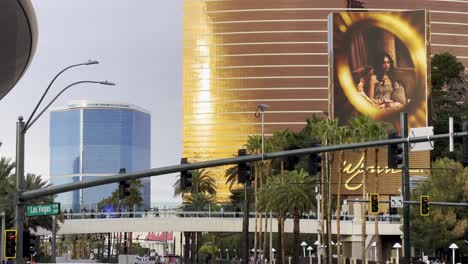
x=156, y=212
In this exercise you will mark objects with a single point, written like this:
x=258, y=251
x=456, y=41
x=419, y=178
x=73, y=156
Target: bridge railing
x=164, y=214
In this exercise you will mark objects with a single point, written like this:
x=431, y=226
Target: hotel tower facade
x=242, y=53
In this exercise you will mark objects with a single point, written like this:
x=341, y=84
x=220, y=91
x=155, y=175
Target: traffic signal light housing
x=9, y=244
x=374, y=203
x=315, y=161
x=424, y=209
x=394, y=152
x=29, y=244
x=243, y=168
x=185, y=176
x=124, y=186
x=290, y=162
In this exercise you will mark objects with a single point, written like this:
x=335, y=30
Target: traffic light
x=243, y=168
x=10, y=244
x=185, y=176
x=29, y=244
x=315, y=161
x=374, y=203
x=424, y=205
x=465, y=145
x=394, y=152
x=124, y=186
x=290, y=162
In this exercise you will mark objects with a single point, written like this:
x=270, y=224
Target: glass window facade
x=65, y=143
x=88, y=143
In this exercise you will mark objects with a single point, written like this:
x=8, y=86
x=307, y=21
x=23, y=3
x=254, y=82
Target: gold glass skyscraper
x=241, y=53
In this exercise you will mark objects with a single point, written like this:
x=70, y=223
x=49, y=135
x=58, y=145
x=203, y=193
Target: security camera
x=263, y=107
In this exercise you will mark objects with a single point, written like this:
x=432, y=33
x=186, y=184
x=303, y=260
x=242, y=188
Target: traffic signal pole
x=19, y=208
x=245, y=227
x=406, y=188
x=54, y=239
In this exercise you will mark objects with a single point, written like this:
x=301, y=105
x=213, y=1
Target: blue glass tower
x=90, y=140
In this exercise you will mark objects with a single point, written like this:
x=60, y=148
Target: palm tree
x=326, y=131
x=6, y=168
x=280, y=141
x=202, y=182
x=361, y=127
x=198, y=202
x=378, y=131
x=203, y=187
x=297, y=196
x=254, y=146
x=133, y=199
x=231, y=176
x=344, y=136
x=8, y=192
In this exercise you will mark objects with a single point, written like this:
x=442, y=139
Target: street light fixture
x=319, y=250
x=303, y=245
x=374, y=245
x=453, y=247
x=21, y=129
x=89, y=62
x=309, y=248
x=397, y=246
x=58, y=95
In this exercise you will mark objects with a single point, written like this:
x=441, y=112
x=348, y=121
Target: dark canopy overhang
x=18, y=38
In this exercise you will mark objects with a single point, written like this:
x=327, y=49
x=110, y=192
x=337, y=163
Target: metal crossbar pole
x=51, y=190
x=406, y=188
x=416, y=202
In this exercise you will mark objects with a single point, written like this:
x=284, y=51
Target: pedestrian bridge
x=205, y=222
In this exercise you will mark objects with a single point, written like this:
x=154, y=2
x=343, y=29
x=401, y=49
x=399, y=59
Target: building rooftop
x=77, y=104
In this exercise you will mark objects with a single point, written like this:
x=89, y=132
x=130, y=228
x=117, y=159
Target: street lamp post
x=227, y=254
x=309, y=248
x=273, y=250
x=319, y=249
x=453, y=247
x=374, y=245
x=21, y=129
x=303, y=245
x=261, y=110
x=397, y=246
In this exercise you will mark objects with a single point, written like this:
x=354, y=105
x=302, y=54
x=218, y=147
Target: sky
x=139, y=47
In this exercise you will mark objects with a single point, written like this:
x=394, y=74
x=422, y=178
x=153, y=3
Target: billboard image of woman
x=378, y=66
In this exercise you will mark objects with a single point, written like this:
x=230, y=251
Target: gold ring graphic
x=395, y=24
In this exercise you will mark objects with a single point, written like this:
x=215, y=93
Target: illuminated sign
x=388, y=181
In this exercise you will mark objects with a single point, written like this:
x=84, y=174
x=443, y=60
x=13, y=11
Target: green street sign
x=43, y=209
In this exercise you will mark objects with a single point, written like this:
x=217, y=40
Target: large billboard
x=378, y=66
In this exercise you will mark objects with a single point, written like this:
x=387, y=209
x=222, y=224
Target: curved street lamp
x=89, y=62
x=21, y=129
x=26, y=127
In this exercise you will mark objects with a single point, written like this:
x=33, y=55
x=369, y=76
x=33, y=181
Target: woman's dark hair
x=379, y=72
